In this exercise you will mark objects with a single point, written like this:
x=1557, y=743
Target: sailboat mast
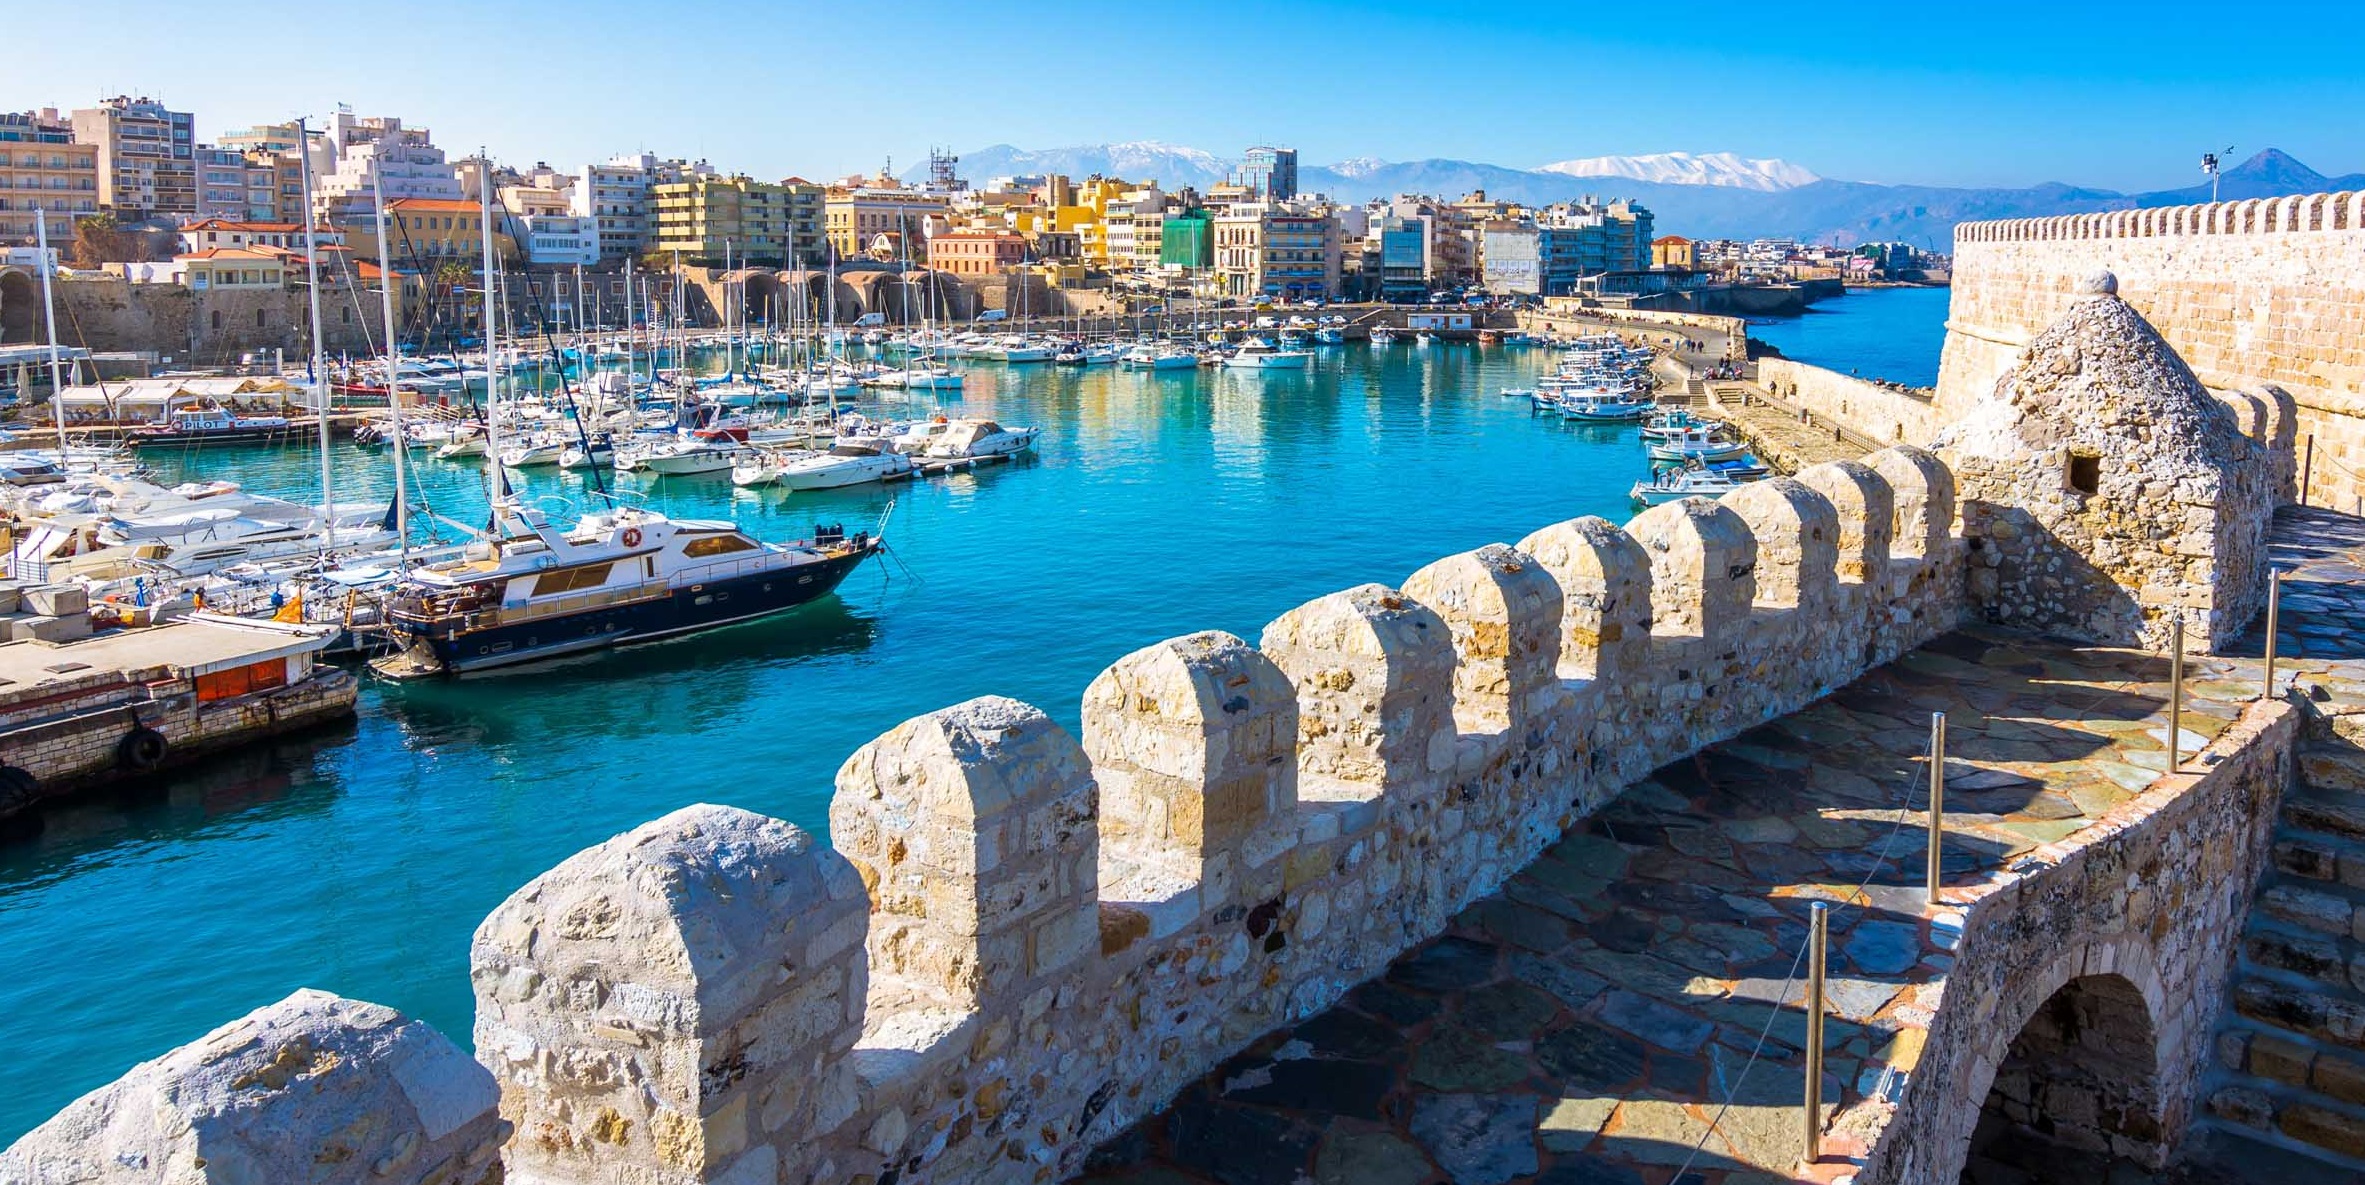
x=57, y=369
x=402, y=509
x=492, y=333
x=328, y=501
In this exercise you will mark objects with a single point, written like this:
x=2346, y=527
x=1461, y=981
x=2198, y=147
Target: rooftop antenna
x=2209, y=165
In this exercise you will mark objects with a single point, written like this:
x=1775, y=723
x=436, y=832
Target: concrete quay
x=81, y=710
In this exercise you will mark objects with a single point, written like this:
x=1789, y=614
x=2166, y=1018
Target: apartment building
x=884, y=220
x=1271, y=250
x=146, y=157
x=42, y=168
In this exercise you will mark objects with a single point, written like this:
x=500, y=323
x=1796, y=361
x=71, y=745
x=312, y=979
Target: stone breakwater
x=1024, y=943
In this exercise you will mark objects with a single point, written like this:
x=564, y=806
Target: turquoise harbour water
x=1873, y=333
x=360, y=859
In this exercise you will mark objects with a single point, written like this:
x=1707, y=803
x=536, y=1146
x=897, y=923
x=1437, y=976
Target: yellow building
x=1673, y=252
x=425, y=231
x=707, y=220
x=857, y=220
x=1088, y=218
x=217, y=269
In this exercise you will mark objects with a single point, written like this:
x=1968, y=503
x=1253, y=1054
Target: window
x=713, y=545
x=568, y=580
x=2085, y=472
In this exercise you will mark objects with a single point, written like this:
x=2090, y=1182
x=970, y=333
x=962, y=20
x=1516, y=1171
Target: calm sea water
x=1874, y=333
x=360, y=860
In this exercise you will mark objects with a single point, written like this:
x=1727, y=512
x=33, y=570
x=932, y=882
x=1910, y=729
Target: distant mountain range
x=1707, y=195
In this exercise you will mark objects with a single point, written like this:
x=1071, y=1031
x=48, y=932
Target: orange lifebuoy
x=632, y=536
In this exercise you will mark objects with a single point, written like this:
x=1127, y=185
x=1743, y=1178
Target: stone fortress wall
x=1024, y=942
x=2255, y=295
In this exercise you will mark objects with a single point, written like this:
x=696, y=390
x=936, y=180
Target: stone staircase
x=2288, y=1085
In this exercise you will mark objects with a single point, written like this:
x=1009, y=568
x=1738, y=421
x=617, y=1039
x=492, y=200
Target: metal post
x=2274, y=611
x=2175, y=693
x=2307, y=469
x=1937, y=797
x=1817, y=936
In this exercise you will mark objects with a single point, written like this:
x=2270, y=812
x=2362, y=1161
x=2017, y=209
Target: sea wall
x=1025, y=941
x=1878, y=411
x=2253, y=294
x=2139, y=912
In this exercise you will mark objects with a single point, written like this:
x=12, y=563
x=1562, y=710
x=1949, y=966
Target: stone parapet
x=2128, y=925
x=1024, y=943
x=314, y=1088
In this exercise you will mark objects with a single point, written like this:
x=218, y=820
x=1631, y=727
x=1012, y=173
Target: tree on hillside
x=99, y=239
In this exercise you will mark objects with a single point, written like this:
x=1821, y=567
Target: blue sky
x=2116, y=95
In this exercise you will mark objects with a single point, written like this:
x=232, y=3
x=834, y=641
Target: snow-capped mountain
x=1171, y=165
x=1713, y=195
x=1685, y=168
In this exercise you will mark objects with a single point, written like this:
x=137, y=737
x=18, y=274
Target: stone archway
x=20, y=307
x=760, y=298
x=2076, y=1094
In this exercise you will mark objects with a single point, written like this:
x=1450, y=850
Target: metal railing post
x=1937, y=797
x=2307, y=470
x=1817, y=936
x=2274, y=612
x=2175, y=694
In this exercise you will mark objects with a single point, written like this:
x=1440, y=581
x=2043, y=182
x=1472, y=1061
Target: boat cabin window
x=717, y=545
x=567, y=580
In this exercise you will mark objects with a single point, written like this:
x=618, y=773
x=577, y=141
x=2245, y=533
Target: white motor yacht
x=847, y=463
x=1258, y=354
x=977, y=440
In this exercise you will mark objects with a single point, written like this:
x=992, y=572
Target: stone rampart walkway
x=1583, y=1026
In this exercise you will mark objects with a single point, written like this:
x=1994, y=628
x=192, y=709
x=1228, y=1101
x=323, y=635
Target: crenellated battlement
x=2252, y=216
x=1023, y=942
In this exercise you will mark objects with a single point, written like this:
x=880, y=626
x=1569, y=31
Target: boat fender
x=632, y=536
x=18, y=790
x=142, y=748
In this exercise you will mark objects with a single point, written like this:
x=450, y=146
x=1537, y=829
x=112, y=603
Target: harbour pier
x=84, y=707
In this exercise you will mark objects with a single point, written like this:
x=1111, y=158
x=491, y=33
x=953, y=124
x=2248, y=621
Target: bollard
x=2175, y=693
x=1937, y=796
x=2274, y=611
x=1817, y=935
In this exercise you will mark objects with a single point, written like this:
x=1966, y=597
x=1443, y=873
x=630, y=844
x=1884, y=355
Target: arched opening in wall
x=2076, y=1099
x=20, y=308
x=761, y=294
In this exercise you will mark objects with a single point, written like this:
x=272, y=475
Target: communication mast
x=941, y=175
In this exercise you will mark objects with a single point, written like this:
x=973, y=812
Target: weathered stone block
x=1192, y=743
x=631, y=999
x=1373, y=670
x=972, y=826
x=1605, y=583
x=315, y=1088
x=1503, y=610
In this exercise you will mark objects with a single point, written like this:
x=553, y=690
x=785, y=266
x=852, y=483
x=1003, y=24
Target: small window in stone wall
x=2085, y=472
